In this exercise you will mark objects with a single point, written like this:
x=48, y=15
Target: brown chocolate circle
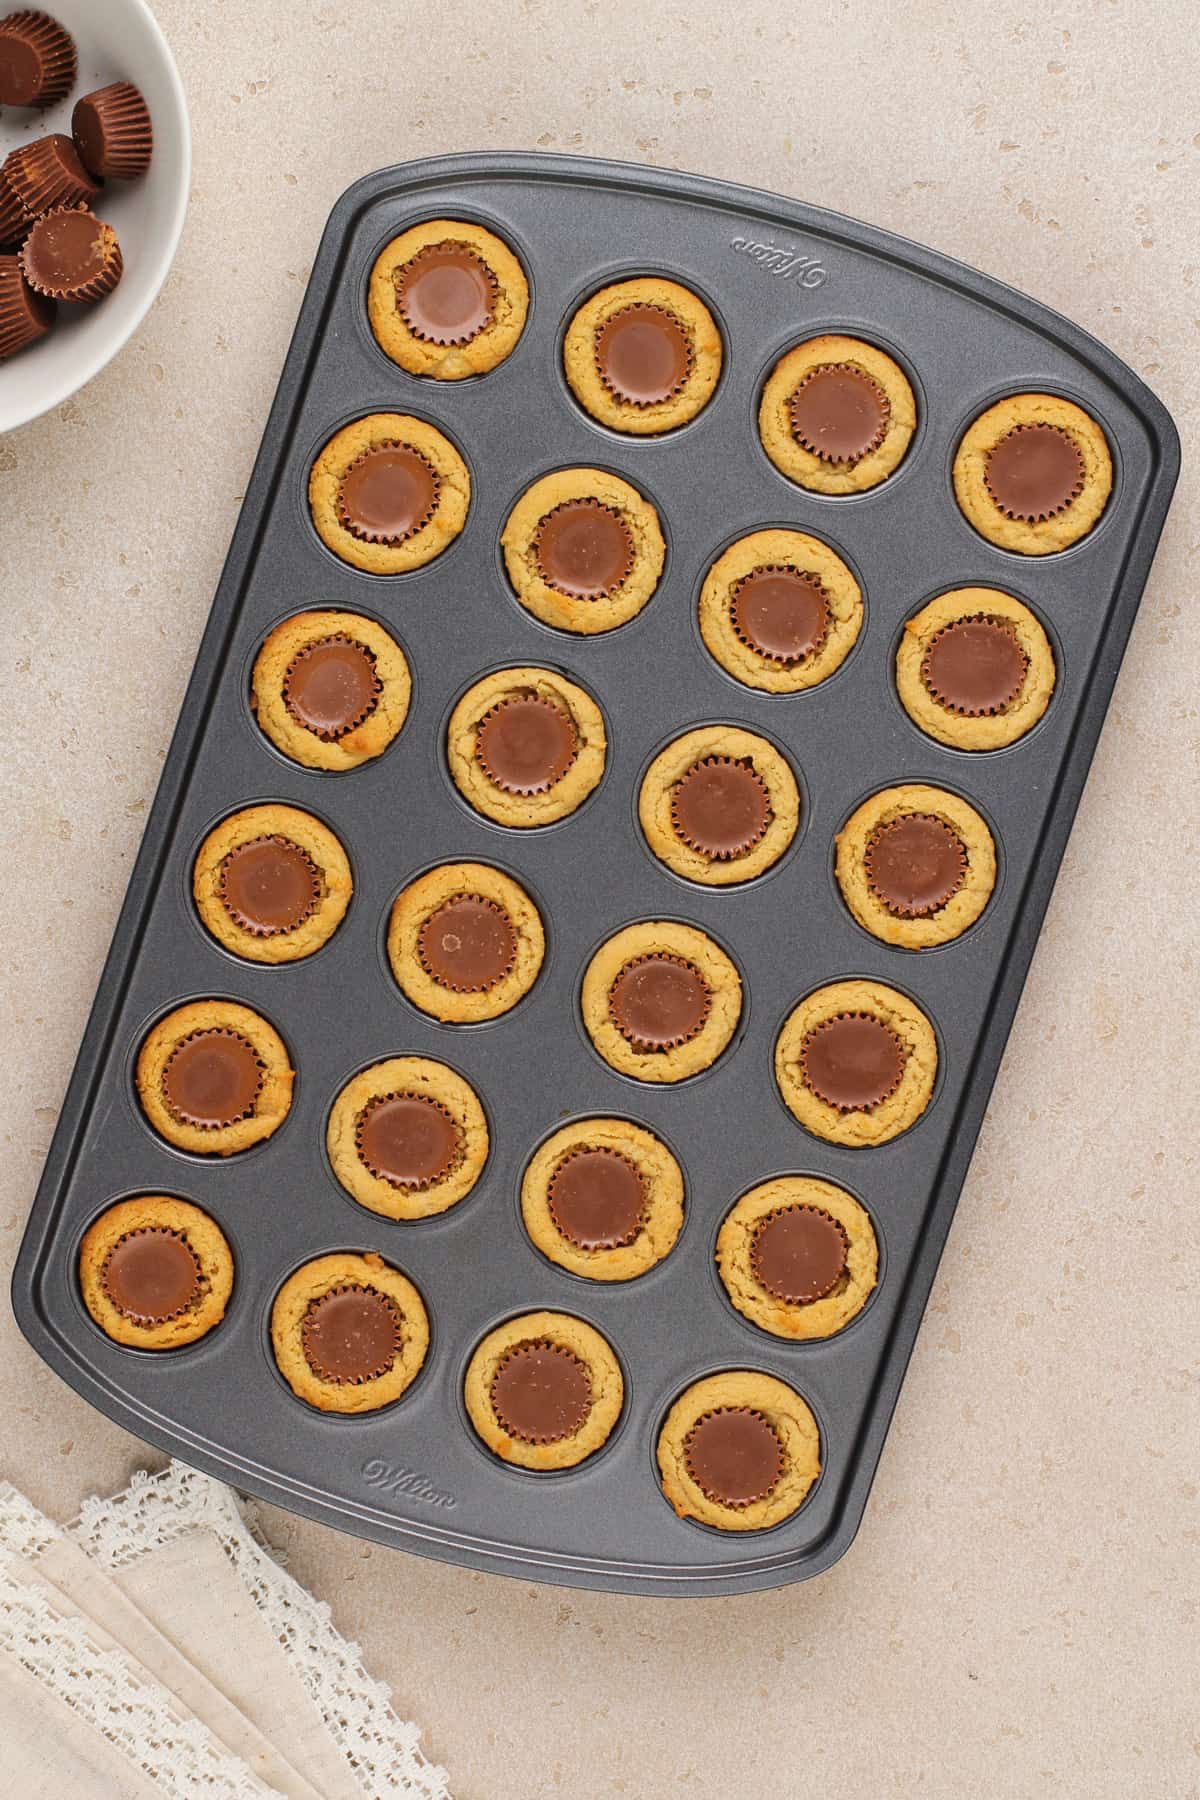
x=853, y=1062
x=734, y=1456
x=331, y=687
x=780, y=612
x=974, y=666
x=20, y=69
x=584, y=549
x=915, y=864
x=151, y=1275
x=212, y=1079
x=64, y=250
x=407, y=1139
x=597, y=1199
x=643, y=355
x=269, y=885
x=798, y=1254
x=387, y=494
x=721, y=808
x=350, y=1334
x=839, y=413
x=446, y=294
x=541, y=1392
x=1034, y=472
x=467, y=944
x=526, y=744
x=659, y=1001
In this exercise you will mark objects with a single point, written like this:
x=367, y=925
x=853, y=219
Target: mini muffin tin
x=773, y=272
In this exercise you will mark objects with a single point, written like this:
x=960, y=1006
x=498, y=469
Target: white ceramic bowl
x=117, y=40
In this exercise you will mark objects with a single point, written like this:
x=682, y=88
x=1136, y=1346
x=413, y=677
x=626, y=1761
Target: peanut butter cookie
x=465, y=942
x=388, y=493
x=739, y=1450
x=544, y=1391
x=214, y=1078
x=583, y=550
x=155, y=1273
x=780, y=611
x=1033, y=473
x=661, y=1001
x=719, y=805
x=975, y=669
x=856, y=1063
x=526, y=746
x=604, y=1199
x=798, y=1257
x=330, y=689
x=447, y=299
x=349, y=1332
x=643, y=356
x=407, y=1137
x=916, y=866
x=837, y=415
x=271, y=883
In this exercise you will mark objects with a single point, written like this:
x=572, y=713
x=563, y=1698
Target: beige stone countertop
x=1017, y=1616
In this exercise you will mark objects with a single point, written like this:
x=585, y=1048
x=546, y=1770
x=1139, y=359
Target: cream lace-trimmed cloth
x=154, y=1647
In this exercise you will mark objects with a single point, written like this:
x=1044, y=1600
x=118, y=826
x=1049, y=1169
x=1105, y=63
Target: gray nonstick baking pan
x=773, y=272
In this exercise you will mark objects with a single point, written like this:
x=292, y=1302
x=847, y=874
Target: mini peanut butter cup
x=526, y=744
x=24, y=315
x=331, y=687
x=597, y=1199
x=839, y=413
x=113, y=133
x=408, y=1139
x=643, y=355
x=68, y=254
x=446, y=294
x=720, y=808
x=48, y=173
x=151, y=1275
x=853, y=1062
x=798, y=1254
x=975, y=667
x=541, y=1392
x=350, y=1335
x=659, y=1001
x=269, y=885
x=37, y=60
x=388, y=494
x=915, y=864
x=780, y=612
x=1034, y=472
x=734, y=1456
x=14, y=220
x=467, y=944
x=584, y=549
x=212, y=1079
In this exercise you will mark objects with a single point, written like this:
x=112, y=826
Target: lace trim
x=104, y=1690
x=383, y=1751
x=24, y=1531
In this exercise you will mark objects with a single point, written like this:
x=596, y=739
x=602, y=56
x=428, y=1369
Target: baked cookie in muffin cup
x=643, y=356
x=526, y=746
x=349, y=1332
x=916, y=865
x=1033, y=473
x=975, y=669
x=739, y=1450
x=330, y=689
x=856, y=1063
x=837, y=415
x=407, y=1137
x=447, y=299
x=388, y=493
x=780, y=611
x=271, y=883
x=214, y=1078
x=719, y=805
x=661, y=1001
x=155, y=1273
x=544, y=1391
x=603, y=1198
x=465, y=942
x=798, y=1257
x=584, y=550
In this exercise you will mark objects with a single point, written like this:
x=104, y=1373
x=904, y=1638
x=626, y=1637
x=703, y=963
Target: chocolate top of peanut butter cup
x=853, y=1062
x=387, y=494
x=584, y=549
x=659, y=1001
x=64, y=251
x=643, y=355
x=467, y=944
x=407, y=1139
x=1034, y=472
x=720, y=808
x=351, y=1334
x=212, y=1079
x=446, y=294
x=839, y=413
x=37, y=59
x=269, y=885
x=151, y=1275
x=780, y=612
x=975, y=666
x=331, y=686
x=597, y=1199
x=798, y=1254
x=526, y=743
x=734, y=1456
x=915, y=864
x=541, y=1392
